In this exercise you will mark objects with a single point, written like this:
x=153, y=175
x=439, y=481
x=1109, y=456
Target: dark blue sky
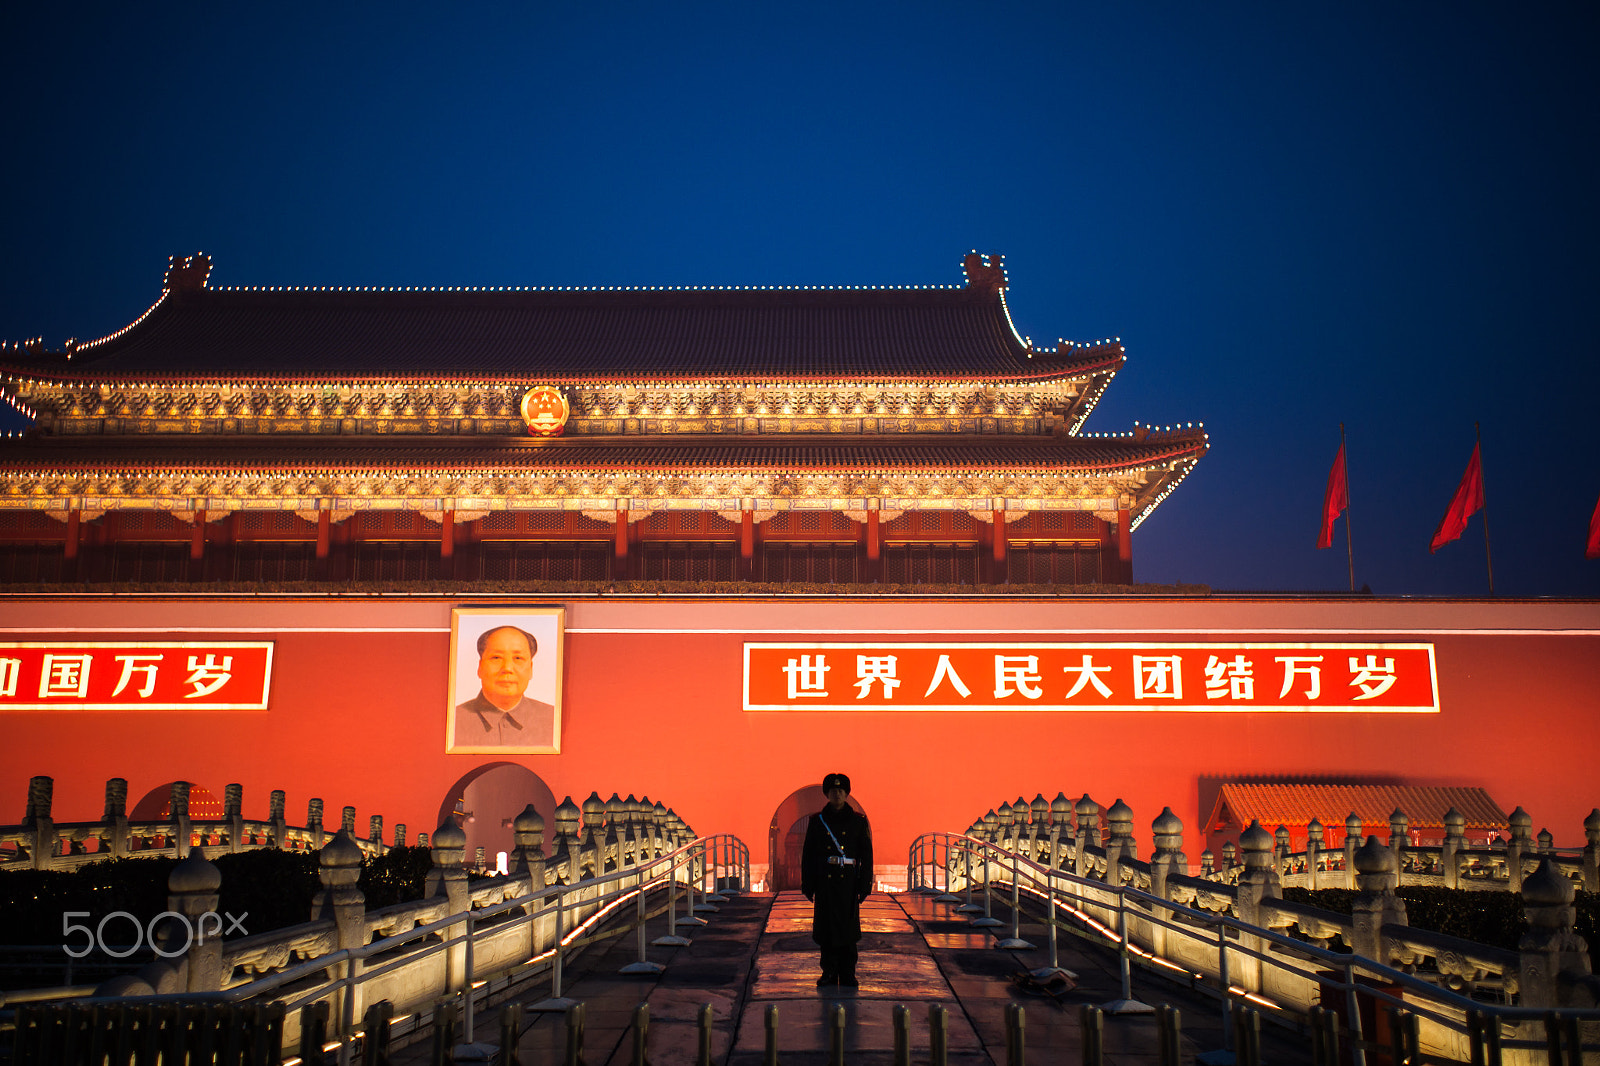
x=1292, y=215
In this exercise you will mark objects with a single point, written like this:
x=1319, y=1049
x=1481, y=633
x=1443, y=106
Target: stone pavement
x=757, y=952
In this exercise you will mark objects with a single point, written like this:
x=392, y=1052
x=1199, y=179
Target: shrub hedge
x=1493, y=918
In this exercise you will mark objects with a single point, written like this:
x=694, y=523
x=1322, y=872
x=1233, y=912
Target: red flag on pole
x=1334, y=500
x=1467, y=501
x=1593, y=551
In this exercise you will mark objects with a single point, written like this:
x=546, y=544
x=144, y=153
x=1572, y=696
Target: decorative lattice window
x=499, y=522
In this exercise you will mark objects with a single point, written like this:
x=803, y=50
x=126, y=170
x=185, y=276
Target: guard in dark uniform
x=836, y=876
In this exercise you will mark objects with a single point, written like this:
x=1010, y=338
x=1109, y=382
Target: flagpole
x=1349, y=548
x=1488, y=556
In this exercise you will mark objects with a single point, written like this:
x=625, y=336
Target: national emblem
x=544, y=410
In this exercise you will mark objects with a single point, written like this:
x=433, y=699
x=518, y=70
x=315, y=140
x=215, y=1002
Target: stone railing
x=1068, y=837
x=1242, y=940
x=41, y=843
x=412, y=953
x=1453, y=864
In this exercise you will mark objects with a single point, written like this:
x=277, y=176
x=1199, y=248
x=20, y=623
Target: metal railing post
x=1227, y=986
x=968, y=907
x=466, y=1014
x=988, y=920
x=1127, y=1004
x=1358, y=1052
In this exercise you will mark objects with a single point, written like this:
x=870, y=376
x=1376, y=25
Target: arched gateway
x=487, y=798
x=787, y=833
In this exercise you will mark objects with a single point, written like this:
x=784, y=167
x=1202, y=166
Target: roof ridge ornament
x=188, y=274
x=985, y=273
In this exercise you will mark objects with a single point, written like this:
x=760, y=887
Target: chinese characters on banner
x=135, y=676
x=1090, y=677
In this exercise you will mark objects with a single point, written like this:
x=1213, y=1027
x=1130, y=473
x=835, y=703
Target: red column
x=197, y=537
x=324, y=529
x=619, y=561
x=1124, y=546
x=747, y=544
x=447, y=534
x=874, y=547
x=998, y=574
x=70, y=550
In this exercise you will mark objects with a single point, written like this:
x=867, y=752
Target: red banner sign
x=1090, y=677
x=135, y=676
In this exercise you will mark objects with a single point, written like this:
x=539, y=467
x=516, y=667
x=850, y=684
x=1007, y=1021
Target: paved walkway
x=757, y=952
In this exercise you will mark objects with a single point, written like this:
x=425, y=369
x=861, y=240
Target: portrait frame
x=537, y=718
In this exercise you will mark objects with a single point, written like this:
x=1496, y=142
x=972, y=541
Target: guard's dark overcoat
x=836, y=890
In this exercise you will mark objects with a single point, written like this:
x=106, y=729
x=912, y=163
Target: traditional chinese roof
x=1295, y=804
x=573, y=335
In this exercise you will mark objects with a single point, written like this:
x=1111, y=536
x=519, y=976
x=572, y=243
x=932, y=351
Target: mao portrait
x=505, y=680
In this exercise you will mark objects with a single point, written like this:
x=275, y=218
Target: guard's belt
x=840, y=860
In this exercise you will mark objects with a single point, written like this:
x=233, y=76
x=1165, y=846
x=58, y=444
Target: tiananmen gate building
x=444, y=552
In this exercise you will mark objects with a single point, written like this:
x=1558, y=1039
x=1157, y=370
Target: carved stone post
x=115, y=838
x=37, y=818
x=594, y=816
x=279, y=826
x=528, y=855
x=1280, y=849
x=612, y=859
x=1087, y=811
x=663, y=845
x=1006, y=818
x=564, y=850
x=1120, y=843
x=1208, y=863
x=1399, y=839
x=1547, y=842
x=399, y=834
x=233, y=814
x=192, y=892
x=1375, y=905
x=314, y=824
x=1167, y=832
x=1591, y=852
x=347, y=821
x=375, y=831
x=1038, y=825
x=182, y=828
x=1552, y=953
x=1521, y=825
x=1258, y=881
x=991, y=826
x=1168, y=859
x=448, y=878
x=1455, y=841
x=1313, y=852
x=1230, y=857
x=1352, y=841
x=339, y=868
x=1060, y=830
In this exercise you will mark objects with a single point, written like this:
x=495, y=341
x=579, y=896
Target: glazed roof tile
x=1295, y=804
x=1032, y=454
x=582, y=335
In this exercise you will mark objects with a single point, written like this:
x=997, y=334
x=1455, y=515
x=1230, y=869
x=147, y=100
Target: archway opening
x=786, y=835
x=156, y=805
x=486, y=800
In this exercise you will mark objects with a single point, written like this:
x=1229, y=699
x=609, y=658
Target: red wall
x=653, y=706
